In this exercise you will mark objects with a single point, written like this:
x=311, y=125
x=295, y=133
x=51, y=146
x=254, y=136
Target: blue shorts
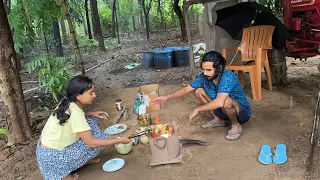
x=242, y=116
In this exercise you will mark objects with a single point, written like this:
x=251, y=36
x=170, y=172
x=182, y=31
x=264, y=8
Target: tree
x=117, y=23
x=146, y=10
x=7, y=6
x=161, y=14
x=87, y=18
x=114, y=10
x=74, y=39
x=18, y=124
x=64, y=32
x=97, y=32
x=57, y=39
x=178, y=11
x=133, y=23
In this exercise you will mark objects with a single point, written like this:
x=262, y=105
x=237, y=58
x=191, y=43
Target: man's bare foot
x=74, y=176
x=93, y=161
x=235, y=132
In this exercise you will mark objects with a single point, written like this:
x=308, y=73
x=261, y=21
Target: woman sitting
x=71, y=138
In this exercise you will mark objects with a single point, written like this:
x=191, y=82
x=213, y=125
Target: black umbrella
x=235, y=18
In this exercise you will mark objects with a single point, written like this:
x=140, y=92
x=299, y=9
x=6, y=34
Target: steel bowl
x=144, y=119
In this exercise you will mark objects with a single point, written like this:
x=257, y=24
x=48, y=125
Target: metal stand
x=314, y=135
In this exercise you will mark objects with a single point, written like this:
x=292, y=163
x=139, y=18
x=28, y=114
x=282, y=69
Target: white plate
x=115, y=129
x=113, y=165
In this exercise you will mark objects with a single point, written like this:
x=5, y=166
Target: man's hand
x=98, y=114
x=161, y=99
x=193, y=114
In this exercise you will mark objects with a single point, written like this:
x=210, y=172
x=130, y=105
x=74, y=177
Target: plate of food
x=116, y=129
x=161, y=130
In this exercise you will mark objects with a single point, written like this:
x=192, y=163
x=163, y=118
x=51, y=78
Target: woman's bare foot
x=74, y=176
x=93, y=161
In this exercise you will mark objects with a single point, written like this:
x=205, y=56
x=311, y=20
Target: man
x=221, y=93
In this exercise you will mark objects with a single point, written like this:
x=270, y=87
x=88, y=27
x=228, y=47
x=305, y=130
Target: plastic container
x=163, y=59
x=181, y=56
x=148, y=59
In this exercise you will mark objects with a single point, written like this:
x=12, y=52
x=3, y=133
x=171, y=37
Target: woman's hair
x=76, y=86
x=219, y=62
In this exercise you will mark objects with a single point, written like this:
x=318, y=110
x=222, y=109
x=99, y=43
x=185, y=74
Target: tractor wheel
x=278, y=67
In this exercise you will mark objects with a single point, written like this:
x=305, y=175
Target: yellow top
x=58, y=136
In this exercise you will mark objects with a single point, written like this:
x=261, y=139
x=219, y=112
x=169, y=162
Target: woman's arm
x=90, y=141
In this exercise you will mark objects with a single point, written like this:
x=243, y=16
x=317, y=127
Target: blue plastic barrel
x=181, y=56
x=163, y=59
x=148, y=59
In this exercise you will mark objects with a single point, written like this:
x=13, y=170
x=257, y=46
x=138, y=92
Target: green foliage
x=105, y=14
x=22, y=35
x=38, y=13
x=3, y=131
x=275, y=5
x=87, y=44
x=112, y=44
x=127, y=9
x=53, y=73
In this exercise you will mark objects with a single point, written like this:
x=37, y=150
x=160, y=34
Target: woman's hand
x=123, y=140
x=98, y=114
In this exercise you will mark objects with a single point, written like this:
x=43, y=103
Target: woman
x=72, y=138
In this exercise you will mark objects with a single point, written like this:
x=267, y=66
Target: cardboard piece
x=151, y=92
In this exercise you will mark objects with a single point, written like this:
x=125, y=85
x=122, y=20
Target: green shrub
x=54, y=73
x=87, y=43
x=111, y=44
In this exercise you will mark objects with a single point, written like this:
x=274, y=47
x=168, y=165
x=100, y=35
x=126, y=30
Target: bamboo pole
x=74, y=38
x=186, y=18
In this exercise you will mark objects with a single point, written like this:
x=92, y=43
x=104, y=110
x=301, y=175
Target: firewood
x=125, y=114
x=117, y=118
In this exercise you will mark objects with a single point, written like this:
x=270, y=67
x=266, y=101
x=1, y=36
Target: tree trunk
x=6, y=6
x=278, y=67
x=77, y=53
x=114, y=18
x=64, y=32
x=97, y=32
x=84, y=26
x=146, y=11
x=17, y=120
x=46, y=43
x=87, y=18
x=57, y=39
x=141, y=21
x=116, y=14
x=161, y=15
x=133, y=23
x=178, y=11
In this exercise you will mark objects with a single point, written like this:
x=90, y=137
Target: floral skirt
x=56, y=165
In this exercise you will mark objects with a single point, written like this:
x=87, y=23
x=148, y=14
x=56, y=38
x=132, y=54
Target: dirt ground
x=285, y=115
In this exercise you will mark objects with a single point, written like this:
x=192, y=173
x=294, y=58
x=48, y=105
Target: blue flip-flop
x=265, y=155
x=280, y=154
x=213, y=124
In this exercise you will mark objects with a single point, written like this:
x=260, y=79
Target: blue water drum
x=181, y=56
x=148, y=59
x=163, y=58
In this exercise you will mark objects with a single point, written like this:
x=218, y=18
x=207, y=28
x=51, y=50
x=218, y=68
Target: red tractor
x=302, y=19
